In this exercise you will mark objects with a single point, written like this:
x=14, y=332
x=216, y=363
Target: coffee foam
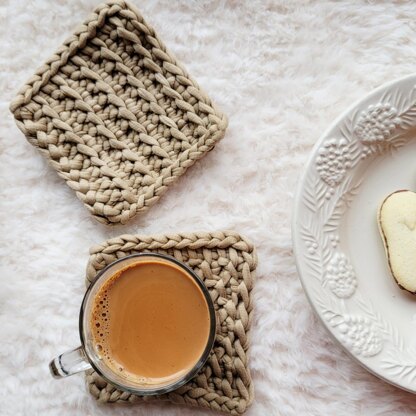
x=100, y=327
x=100, y=322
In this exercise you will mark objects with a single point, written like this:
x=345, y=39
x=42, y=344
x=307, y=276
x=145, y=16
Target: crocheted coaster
x=226, y=262
x=116, y=115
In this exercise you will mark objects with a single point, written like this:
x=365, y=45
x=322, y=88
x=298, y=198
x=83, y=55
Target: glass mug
x=86, y=357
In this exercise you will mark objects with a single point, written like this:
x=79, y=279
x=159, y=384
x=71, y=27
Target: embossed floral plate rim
x=372, y=126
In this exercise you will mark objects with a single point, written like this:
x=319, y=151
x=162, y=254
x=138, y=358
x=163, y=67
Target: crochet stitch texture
x=116, y=115
x=226, y=263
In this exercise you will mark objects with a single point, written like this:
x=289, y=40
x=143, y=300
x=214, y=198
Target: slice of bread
x=397, y=224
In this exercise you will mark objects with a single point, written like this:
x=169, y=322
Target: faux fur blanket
x=282, y=71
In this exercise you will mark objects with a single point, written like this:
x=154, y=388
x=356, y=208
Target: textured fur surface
x=281, y=71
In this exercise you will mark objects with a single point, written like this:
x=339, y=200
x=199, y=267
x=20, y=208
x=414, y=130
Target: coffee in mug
x=150, y=322
x=147, y=325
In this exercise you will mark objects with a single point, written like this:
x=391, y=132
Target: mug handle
x=70, y=362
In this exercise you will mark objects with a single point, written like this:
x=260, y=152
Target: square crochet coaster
x=116, y=115
x=226, y=262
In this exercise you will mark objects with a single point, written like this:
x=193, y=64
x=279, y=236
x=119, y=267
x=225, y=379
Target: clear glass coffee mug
x=85, y=357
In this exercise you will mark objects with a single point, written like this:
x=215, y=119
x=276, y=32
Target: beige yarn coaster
x=116, y=115
x=226, y=262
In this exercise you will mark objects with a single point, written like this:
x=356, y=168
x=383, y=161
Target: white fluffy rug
x=281, y=71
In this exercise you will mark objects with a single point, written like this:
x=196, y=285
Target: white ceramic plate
x=367, y=153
